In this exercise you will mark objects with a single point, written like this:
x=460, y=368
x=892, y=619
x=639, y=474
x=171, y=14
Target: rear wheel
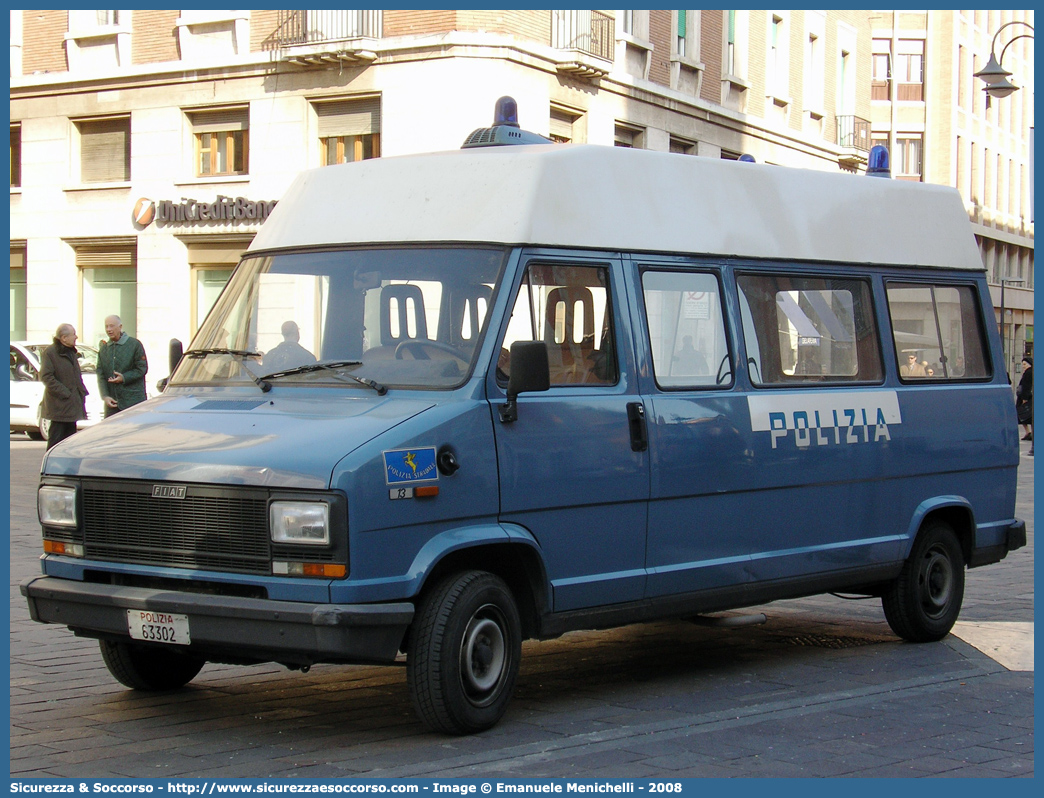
x=148, y=667
x=464, y=653
x=923, y=603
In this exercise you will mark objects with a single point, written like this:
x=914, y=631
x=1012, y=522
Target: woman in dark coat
x=1024, y=398
x=65, y=395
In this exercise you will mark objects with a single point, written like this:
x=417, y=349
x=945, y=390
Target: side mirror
x=529, y=373
x=175, y=350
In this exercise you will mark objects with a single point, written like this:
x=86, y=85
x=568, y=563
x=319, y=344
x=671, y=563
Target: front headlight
x=56, y=505
x=300, y=522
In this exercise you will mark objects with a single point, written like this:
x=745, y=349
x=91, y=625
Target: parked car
x=27, y=391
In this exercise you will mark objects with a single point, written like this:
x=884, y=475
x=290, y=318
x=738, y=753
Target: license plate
x=158, y=627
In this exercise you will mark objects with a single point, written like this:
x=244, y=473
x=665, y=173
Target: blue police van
x=451, y=402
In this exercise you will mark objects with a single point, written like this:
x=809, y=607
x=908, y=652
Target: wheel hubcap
x=483, y=655
x=936, y=581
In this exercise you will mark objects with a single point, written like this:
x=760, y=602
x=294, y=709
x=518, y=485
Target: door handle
x=638, y=428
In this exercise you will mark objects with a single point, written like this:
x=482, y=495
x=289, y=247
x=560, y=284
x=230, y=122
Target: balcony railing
x=316, y=27
x=853, y=133
x=590, y=32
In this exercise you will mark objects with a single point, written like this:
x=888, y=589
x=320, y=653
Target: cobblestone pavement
x=821, y=689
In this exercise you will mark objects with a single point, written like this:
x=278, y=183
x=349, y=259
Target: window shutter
x=681, y=24
x=103, y=257
x=105, y=150
x=561, y=124
x=221, y=121
x=349, y=117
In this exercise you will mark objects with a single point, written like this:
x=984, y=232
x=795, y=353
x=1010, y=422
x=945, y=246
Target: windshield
x=409, y=318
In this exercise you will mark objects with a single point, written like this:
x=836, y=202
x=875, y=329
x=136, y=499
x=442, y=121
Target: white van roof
x=619, y=199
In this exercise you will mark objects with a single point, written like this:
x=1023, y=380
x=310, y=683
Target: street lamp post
x=995, y=76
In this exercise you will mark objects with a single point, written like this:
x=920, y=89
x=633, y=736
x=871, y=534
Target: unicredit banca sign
x=191, y=212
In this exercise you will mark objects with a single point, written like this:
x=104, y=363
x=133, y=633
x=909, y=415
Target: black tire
x=923, y=603
x=149, y=667
x=464, y=652
x=35, y=435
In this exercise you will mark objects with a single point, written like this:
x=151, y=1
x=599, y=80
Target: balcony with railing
x=325, y=36
x=587, y=40
x=853, y=137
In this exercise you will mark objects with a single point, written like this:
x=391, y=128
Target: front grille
x=211, y=529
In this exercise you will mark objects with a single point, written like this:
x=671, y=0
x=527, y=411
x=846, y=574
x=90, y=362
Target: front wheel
x=465, y=647
x=923, y=603
x=149, y=667
x=43, y=429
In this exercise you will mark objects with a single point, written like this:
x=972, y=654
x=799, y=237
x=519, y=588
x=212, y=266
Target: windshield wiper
x=221, y=351
x=239, y=355
x=332, y=366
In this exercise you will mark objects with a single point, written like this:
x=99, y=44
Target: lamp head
x=1001, y=88
x=993, y=73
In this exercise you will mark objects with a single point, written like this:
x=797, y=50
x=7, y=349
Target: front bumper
x=227, y=628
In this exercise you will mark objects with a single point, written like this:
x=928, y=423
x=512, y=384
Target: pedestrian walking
x=65, y=395
x=1024, y=398
x=1024, y=401
x=122, y=367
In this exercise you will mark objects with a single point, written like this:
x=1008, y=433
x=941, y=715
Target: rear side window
x=938, y=332
x=686, y=329
x=805, y=329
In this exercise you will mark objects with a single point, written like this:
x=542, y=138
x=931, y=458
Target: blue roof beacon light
x=747, y=158
x=877, y=164
x=505, y=112
x=505, y=129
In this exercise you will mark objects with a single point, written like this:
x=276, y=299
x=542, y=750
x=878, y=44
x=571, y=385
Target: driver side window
x=568, y=308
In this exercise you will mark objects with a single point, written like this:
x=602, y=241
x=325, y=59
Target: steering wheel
x=420, y=354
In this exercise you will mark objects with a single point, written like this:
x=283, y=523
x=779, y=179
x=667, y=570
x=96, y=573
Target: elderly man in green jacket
x=121, y=368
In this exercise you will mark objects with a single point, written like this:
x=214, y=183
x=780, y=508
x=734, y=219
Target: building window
x=222, y=142
x=733, y=61
x=681, y=35
x=909, y=70
x=16, y=156
x=628, y=136
x=109, y=285
x=815, y=70
x=209, y=283
x=18, y=293
x=634, y=23
x=776, y=72
x=907, y=163
x=563, y=125
x=682, y=147
x=845, y=84
x=83, y=20
x=211, y=263
x=881, y=66
x=349, y=130
x=104, y=149
x=730, y=43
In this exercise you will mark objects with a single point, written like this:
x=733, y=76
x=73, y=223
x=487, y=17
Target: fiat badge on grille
x=168, y=491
